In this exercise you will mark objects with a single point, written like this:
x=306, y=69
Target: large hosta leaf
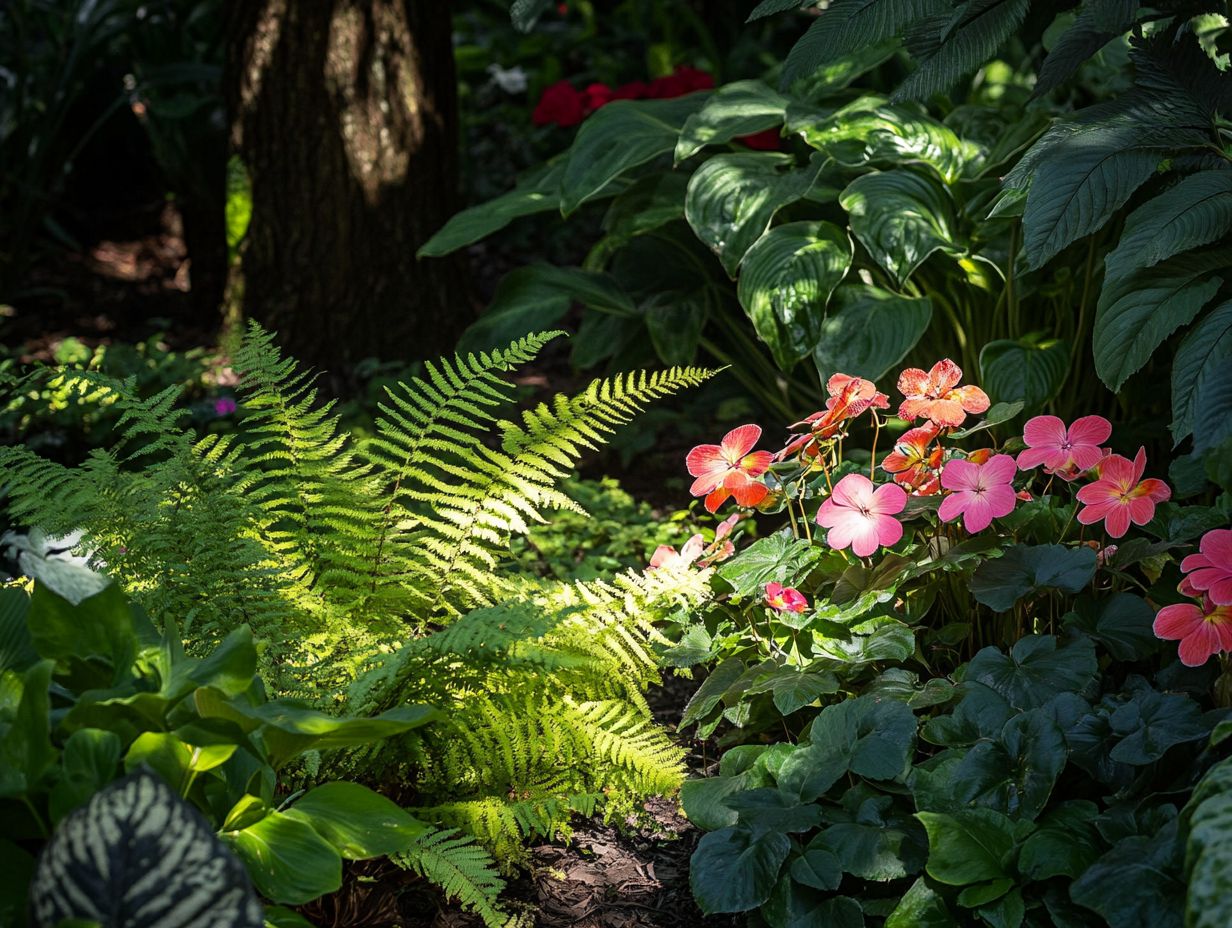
x=618, y=138
x=868, y=330
x=785, y=281
x=538, y=193
x=1028, y=371
x=1206, y=346
x=732, y=871
x=1195, y=212
x=967, y=846
x=1079, y=184
x=288, y=859
x=734, y=110
x=138, y=849
x=1137, y=313
x=732, y=198
x=901, y=218
x=871, y=132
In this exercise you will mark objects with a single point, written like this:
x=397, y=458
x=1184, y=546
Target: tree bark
x=344, y=113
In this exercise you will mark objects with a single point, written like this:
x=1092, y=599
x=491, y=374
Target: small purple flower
x=224, y=406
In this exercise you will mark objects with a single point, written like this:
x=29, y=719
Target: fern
x=461, y=869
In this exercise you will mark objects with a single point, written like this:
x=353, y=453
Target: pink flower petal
x=1220, y=591
x=1044, y=432
x=1117, y=521
x=1198, y=646
x=740, y=440
x=977, y=515
x=855, y=491
x=1217, y=545
x=1141, y=510
x=889, y=499
x=1001, y=500
x=953, y=505
x=705, y=459
x=757, y=463
x=889, y=530
x=1089, y=430
x=1034, y=457
x=865, y=538
x=1177, y=621
x=999, y=469
x=943, y=376
x=960, y=475
x=972, y=399
x=1085, y=456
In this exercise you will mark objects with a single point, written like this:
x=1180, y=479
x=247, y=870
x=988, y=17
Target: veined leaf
x=538, y=193
x=847, y=25
x=1214, y=399
x=901, y=218
x=1078, y=185
x=618, y=138
x=869, y=132
x=785, y=282
x=1207, y=345
x=1195, y=212
x=732, y=871
x=770, y=7
x=1137, y=313
x=525, y=13
x=732, y=111
x=969, y=38
x=967, y=846
x=1029, y=370
x=868, y=330
x=1097, y=24
x=732, y=198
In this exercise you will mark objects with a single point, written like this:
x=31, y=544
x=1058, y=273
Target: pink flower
x=863, y=517
x=224, y=406
x=667, y=556
x=1202, y=630
x=1210, y=571
x=1120, y=495
x=980, y=492
x=937, y=396
x=1064, y=452
x=728, y=469
x=785, y=598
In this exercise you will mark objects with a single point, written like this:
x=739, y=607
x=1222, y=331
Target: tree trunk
x=344, y=113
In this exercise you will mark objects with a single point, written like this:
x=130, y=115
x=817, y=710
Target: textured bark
x=344, y=114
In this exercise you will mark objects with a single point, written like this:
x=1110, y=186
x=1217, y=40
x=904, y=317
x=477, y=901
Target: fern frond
x=463, y=870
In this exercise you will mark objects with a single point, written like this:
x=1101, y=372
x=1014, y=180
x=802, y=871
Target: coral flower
x=980, y=492
x=668, y=557
x=1064, y=452
x=1120, y=495
x=863, y=517
x=729, y=469
x=1210, y=570
x=1202, y=630
x=937, y=396
x=913, y=462
x=785, y=598
x=849, y=397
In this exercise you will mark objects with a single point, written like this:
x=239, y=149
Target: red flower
x=560, y=104
x=785, y=598
x=767, y=140
x=683, y=80
x=595, y=96
x=632, y=91
x=728, y=469
x=1120, y=495
x=913, y=463
x=937, y=396
x=1202, y=631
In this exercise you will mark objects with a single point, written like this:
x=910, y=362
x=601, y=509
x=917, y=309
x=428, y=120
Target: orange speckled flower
x=913, y=462
x=937, y=396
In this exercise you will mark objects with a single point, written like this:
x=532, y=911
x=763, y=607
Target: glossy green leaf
x=1208, y=862
x=1024, y=570
x=921, y=907
x=967, y=846
x=901, y=218
x=1153, y=722
x=997, y=414
x=732, y=198
x=818, y=868
x=1214, y=399
x=619, y=137
x=734, y=110
x=1195, y=212
x=795, y=905
x=870, y=132
x=1064, y=844
x=535, y=298
x=1122, y=623
x=867, y=330
x=1206, y=347
x=356, y=821
x=1136, y=314
x=768, y=810
x=1030, y=371
x=786, y=279
x=704, y=799
x=289, y=862
x=873, y=852
x=793, y=689
x=777, y=558
x=90, y=760
x=733, y=872
x=675, y=322
x=1035, y=670
x=1014, y=774
x=538, y=193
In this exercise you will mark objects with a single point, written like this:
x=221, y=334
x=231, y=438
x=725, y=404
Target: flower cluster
x=1203, y=628
x=562, y=105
